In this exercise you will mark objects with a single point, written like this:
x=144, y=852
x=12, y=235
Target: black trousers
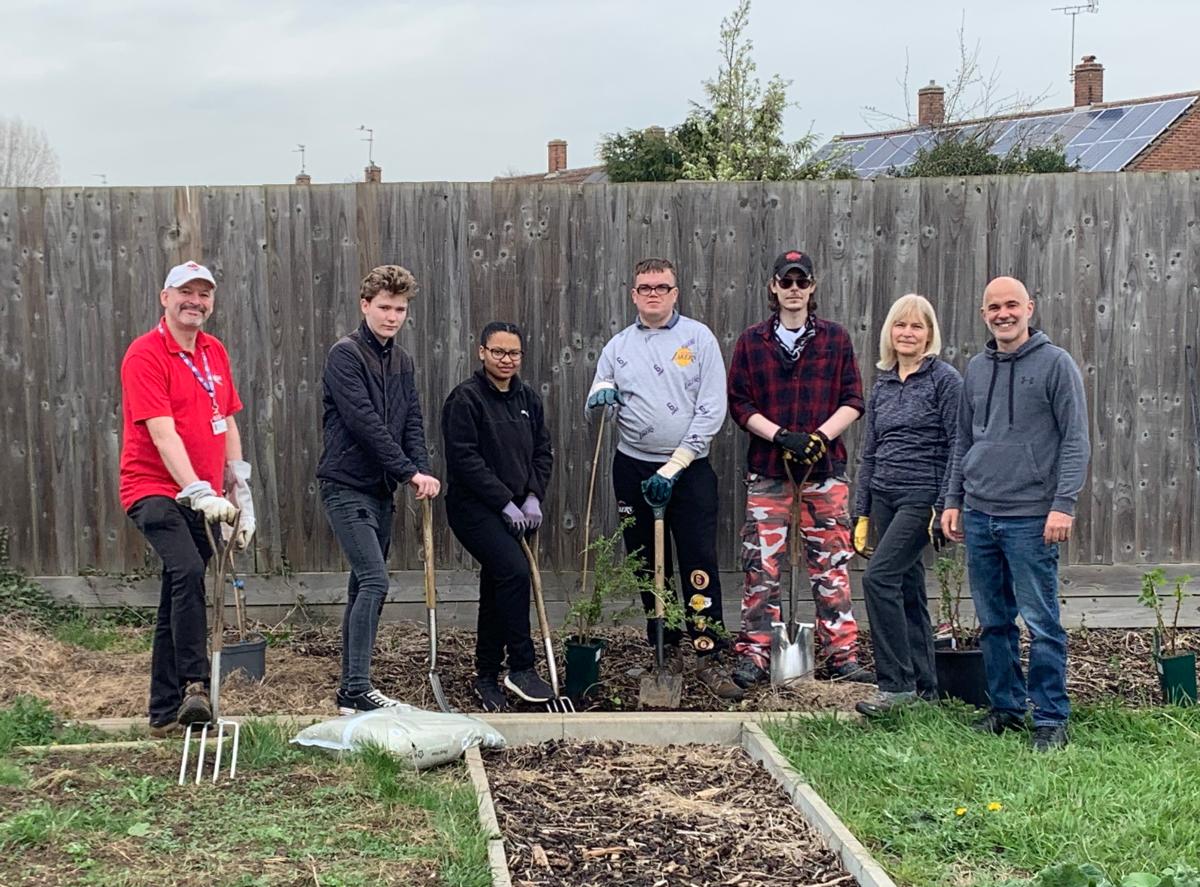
x=179, y=655
x=504, y=585
x=691, y=532
x=894, y=586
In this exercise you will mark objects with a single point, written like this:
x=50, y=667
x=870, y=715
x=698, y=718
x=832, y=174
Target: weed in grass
x=36, y=825
x=264, y=744
x=12, y=774
x=29, y=721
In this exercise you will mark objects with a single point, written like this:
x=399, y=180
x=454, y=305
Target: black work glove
x=808, y=448
x=936, y=537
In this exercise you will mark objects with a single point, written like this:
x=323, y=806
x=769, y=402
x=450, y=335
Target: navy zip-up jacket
x=374, y=434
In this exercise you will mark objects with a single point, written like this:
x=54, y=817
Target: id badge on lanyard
x=220, y=425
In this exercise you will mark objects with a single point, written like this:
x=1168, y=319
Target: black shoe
x=364, y=700
x=747, y=673
x=714, y=674
x=996, y=722
x=195, y=709
x=491, y=696
x=928, y=695
x=849, y=671
x=884, y=703
x=529, y=685
x=1048, y=737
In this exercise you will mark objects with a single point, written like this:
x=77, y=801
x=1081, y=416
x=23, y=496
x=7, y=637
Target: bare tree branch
x=26, y=158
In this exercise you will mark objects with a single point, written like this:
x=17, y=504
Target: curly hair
x=392, y=279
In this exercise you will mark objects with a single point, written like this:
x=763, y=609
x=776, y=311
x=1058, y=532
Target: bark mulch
x=603, y=813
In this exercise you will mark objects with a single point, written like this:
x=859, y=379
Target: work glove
x=532, y=509
x=862, y=536
x=200, y=496
x=936, y=537
x=515, y=518
x=237, y=479
x=806, y=447
x=606, y=394
x=656, y=489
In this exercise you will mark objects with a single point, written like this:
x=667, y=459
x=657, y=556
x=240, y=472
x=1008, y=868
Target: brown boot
x=713, y=673
x=196, y=709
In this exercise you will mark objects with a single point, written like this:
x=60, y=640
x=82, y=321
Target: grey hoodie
x=1022, y=443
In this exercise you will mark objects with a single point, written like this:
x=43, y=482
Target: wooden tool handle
x=535, y=578
x=660, y=568
x=427, y=544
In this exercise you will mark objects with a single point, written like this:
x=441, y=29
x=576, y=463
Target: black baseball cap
x=793, y=260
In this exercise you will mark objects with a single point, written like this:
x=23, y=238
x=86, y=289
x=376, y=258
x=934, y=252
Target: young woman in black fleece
x=498, y=462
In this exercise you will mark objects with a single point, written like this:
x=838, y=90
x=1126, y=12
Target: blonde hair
x=905, y=305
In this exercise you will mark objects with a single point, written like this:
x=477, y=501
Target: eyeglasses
x=662, y=289
x=786, y=283
x=501, y=353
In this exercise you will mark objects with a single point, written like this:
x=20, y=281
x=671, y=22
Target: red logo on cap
x=192, y=265
x=794, y=256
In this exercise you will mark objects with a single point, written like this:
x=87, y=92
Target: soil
x=611, y=813
x=303, y=666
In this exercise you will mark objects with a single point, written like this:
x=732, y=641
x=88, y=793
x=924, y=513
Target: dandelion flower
x=960, y=811
x=995, y=805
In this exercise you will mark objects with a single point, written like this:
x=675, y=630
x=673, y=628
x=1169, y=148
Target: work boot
x=350, y=703
x=528, y=684
x=491, y=696
x=849, y=671
x=673, y=659
x=885, y=702
x=748, y=673
x=165, y=731
x=713, y=673
x=195, y=709
x=1047, y=737
x=996, y=722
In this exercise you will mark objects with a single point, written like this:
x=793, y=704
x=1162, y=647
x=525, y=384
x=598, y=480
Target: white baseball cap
x=181, y=274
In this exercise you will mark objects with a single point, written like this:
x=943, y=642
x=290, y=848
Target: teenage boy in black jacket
x=374, y=442
x=498, y=462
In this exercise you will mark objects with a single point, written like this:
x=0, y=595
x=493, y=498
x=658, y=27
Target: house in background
x=1159, y=133
x=557, y=171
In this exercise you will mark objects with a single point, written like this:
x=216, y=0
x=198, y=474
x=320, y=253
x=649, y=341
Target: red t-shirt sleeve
x=145, y=383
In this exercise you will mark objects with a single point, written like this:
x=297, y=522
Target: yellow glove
x=862, y=532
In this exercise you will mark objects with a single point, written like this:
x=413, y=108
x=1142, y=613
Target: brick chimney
x=303, y=179
x=655, y=132
x=556, y=151
x=373, y=173
x=1089, y=82
x=931, y=105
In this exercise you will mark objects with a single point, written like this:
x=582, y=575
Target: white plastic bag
x=427, y=738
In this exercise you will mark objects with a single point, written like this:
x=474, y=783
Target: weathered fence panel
x=1113, y=261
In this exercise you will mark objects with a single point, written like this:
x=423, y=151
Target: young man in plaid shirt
x=795, y=387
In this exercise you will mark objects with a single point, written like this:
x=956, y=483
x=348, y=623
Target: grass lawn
x=293, y=816
x=937, y=803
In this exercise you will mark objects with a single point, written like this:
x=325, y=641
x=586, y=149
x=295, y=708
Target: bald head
x=1007, y=310
x=1004, y=288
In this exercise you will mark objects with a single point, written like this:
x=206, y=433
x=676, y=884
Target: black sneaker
x=885, y=702
x=747, y=673
x=849, y=671
x=996, y=722
x=195, y=709
x=1048, y=737
x=363, y=700
x=714, y=674
x=529, y=685
x=491, y=696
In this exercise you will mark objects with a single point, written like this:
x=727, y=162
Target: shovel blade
x=660, y=689
x=791, y=660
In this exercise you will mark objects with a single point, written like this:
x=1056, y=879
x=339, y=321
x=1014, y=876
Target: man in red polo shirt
x=181, y=452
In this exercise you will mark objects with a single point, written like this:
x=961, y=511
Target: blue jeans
x=1013, y=571
x=363, y=526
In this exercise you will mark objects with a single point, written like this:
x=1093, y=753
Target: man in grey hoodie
x=1018, y=465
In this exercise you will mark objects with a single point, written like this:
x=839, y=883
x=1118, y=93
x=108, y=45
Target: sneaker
x=748, y=673
x=165, y=731
x=491, y=696
x=1047, y=737
x=195, y=709
x=849, y=671
x=349, y=703
x=714, y=674
x=529, y=685
x=996, y=722
x=885, y=702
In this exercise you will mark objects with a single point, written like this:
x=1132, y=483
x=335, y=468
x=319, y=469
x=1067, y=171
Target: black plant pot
x=248, y=656
x=961, y=675
x=583, y=667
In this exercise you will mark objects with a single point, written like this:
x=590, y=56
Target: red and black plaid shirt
x=797, y=394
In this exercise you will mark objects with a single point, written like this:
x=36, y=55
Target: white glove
x=680, y=459
x=237, y=479
x=200, y=496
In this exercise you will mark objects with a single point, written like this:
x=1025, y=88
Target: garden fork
x=560, y=704
x=222, y=559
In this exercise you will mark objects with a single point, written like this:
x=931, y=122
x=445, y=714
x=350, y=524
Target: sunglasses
x=786, y=283
x=662, y=289
x=501, y=353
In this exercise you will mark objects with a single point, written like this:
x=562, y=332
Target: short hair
x=393, y=279
x=908, y=304
x=773, y=300
x=653, y=266
x=500, y=326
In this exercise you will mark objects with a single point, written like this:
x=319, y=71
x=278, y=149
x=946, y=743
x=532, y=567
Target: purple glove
x=532, y=509
x=515, y=518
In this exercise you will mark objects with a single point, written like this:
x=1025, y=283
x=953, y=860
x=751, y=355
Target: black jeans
x=362, y=524
x=179, y=655
x=504, y=585
x=894, y=585
x=691, y=524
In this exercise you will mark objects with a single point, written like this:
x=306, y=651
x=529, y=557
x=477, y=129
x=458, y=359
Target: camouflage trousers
x=825, y=524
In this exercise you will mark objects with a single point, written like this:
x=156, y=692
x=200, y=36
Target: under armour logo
x=1026, y=380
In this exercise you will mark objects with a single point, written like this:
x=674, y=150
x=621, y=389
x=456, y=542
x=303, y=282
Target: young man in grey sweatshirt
x=1018, y=465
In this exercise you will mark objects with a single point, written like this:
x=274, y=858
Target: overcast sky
x=222, y=92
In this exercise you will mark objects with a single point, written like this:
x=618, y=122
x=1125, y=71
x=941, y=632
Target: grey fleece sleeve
x=962, y=443
x=712, y=401
x=1069, y=404
x=606, y=372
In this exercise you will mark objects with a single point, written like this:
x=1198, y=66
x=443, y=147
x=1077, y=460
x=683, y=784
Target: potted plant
x=959, y=664
x=1176, y=670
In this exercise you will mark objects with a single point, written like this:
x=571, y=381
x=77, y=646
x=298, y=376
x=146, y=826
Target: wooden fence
x=1113, y=261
